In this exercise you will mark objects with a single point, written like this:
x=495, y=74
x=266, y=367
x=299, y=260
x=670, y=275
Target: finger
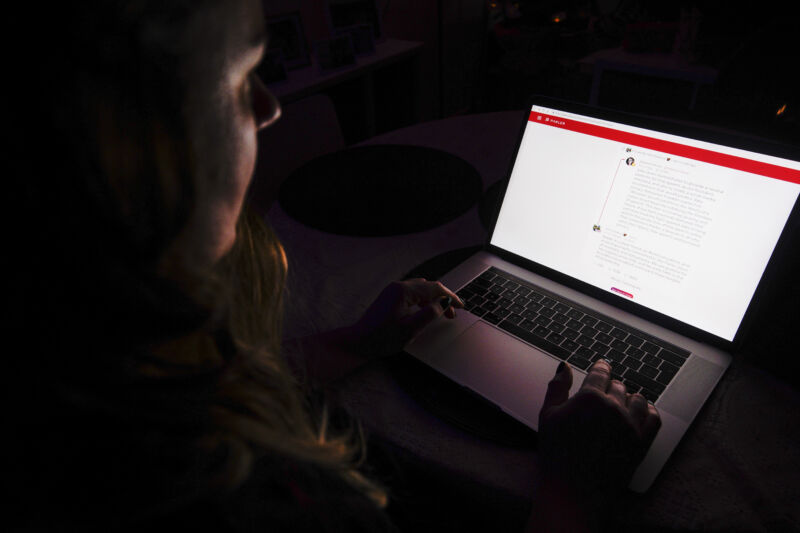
x=558, y=388
x=651, y=424
x=598, y=377
x=616, y=390
x=415, y=322
x=423, y=291
x=637, y=405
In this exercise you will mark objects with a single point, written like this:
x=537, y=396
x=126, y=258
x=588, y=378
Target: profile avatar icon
x=630, y=161
x=596, y=227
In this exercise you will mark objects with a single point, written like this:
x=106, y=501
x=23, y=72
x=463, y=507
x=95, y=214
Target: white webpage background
x=562, y=182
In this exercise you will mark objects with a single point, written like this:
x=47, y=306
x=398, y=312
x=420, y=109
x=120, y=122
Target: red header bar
x=672, y=148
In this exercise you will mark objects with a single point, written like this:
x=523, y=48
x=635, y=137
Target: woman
x=151, y=391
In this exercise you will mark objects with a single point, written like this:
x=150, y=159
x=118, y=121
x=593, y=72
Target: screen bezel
x=761, y=293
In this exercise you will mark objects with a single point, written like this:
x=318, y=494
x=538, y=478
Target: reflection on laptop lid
x=680, y=226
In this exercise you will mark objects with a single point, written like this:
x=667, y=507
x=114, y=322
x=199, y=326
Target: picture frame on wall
x=362, y=37
x=286, y=34
x=336, y=52
x=344, y=14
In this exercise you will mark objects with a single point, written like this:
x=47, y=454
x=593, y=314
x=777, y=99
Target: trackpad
x=507, y=371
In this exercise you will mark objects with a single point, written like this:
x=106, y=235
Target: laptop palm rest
x=511, y=374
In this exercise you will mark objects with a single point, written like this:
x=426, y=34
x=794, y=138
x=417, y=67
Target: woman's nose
x=266, y=107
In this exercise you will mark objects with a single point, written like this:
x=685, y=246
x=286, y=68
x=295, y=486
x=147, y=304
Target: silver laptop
x=646, y=243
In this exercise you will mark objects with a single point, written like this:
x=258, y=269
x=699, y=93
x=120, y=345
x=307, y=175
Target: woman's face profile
x=226, y=109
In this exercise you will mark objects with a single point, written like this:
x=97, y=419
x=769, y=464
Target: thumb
x=415, y=322
x=558, y=388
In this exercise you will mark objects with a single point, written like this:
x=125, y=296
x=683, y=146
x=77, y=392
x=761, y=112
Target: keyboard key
x=481, y=282
x=616, y=355
x=589, y=320
x=600, y=348
x=516, y=319
x=491, y=296
x=465, y=293
x=547, y=312
x=542, y=320
x=541, y=331
x=561, y=319
x=502, y=313
x=574, y=324
x=555, y=326
x=487, y=276
x=632, y=363
x=650, y=359
x=619, y=345
x=584, y=340
x=555, y=337
x=533, y=306
x=511, y=285
x=521, y=300
x=535, y=296
x=547, y=301
x=635, y=352
x=579, y=362
x=673, y=358
x=570, y=345
x=537, y=341
x=529, y=314
x=603, y=326
x=649, y=371
x=575, y=314
x=570, y=333
x=477, y=300
x=504, y=302
x=644, y=382
x=478, y=311
x=649, y=347
x=528, y=325
x=585, y=352
x=491, y=318
x=618, y=333
x=524, y=291
x=561, y=308
x=514, y=308
x=497, y=289
x=666, y=373
x=490, y=306
x=603, y=337
x=634, y=341
x=589, y=331
x=475, y=289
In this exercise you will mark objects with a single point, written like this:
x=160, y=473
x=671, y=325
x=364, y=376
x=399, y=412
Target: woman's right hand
x=590, y=444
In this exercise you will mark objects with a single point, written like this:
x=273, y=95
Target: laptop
x=645, y=242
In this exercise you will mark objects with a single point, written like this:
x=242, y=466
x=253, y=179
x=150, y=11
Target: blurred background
x=706, y=61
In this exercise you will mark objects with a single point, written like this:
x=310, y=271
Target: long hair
x=183, y=378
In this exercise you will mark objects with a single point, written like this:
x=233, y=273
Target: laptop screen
x=681, y=226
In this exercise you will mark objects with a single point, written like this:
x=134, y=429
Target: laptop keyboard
x=573, y=333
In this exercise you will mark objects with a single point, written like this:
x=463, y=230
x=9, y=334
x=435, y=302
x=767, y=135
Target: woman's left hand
x=400, y=312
